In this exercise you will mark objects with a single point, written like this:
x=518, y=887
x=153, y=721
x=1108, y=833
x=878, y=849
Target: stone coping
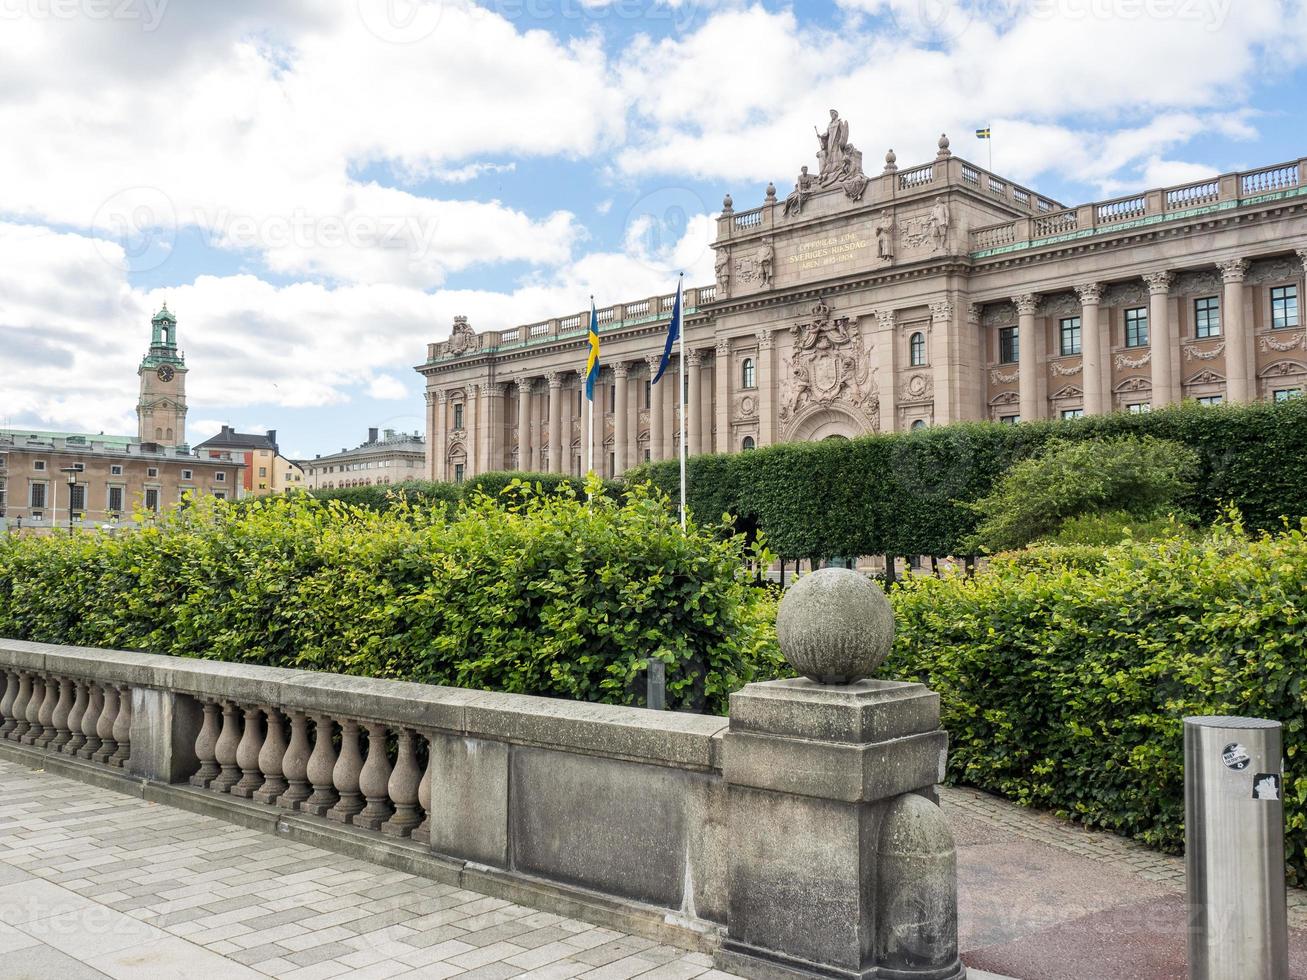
x=664, y=738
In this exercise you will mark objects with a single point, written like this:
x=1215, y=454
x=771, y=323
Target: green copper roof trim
x=157, y=360
x=1152, y=219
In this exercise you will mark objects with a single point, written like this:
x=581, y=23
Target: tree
x=1144, y=478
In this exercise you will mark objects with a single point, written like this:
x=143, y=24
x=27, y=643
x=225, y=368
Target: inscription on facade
x=821, y=252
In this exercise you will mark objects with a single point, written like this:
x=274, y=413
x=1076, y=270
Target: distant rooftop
x=96, y=444
x=380, y=442
x=229, y=438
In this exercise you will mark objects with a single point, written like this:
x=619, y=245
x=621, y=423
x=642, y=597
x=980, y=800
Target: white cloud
x=387, y=387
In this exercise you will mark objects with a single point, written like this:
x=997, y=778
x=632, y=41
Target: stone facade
x=916, y=297
x=387, y=457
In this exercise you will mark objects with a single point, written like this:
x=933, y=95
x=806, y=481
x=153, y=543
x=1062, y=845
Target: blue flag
x=673, y=333
x=592, y=362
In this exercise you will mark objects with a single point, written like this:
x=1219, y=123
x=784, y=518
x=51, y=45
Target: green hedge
x=543, y=594
x=905, y=493
x=420, y=493
x=1064, y=673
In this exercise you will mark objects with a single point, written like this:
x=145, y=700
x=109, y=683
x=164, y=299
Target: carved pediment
x=1139, y=383
x=1282, y=369
x=1206, y=378
x=1005, y=398
x=1069, y=391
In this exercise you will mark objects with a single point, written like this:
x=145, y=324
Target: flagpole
x=590, y=420
x=990, y=143
x=681, y=383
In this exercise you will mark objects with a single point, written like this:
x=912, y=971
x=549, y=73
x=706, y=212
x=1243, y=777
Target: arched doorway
x=827, y=422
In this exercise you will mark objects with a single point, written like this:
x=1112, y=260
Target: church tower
x=161, y=411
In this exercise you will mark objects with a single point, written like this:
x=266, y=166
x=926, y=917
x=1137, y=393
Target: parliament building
x=916, y=297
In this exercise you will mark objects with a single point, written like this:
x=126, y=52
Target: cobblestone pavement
x=97, y=884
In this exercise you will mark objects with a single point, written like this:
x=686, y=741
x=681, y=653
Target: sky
x=317, y=187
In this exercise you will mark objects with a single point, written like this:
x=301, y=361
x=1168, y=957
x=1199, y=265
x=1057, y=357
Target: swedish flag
x=983, y=134
x=592, y=362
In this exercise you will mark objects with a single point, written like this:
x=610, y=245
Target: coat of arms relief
x=828, y=366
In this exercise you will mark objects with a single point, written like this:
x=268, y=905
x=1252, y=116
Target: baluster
x=34, y=711
x=104, y=727
x=62, y=709
x=422, y=832
x=295, y=763
x=90, y=721
x=21, y=724
x=75, y=716
x=46, y=713
x=403, y=788
x=270, y=760
x=322, y=763
x=346, y=774
x=225, y=750
x=7, y=702
x=122, y=728
x=205, y=743
x=247, y=754
x=374, y=781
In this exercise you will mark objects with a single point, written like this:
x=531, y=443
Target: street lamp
x=72, y=472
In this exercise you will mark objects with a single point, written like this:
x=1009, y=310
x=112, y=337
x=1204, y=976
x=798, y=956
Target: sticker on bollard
x=1266, y=786
x=1235, y=756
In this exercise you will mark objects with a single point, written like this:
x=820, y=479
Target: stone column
x=1238, y=344
x=621, y=417
x=493, y=454
x=943, y=370
x=693, y=404
x=1160, y=337
x=766, y=389
x=978, y=383
x=1091, y=347
x=840, y=865
x=429, y=397
x=555, y=379
x=723, y=395
x=440, y=437
x=671, y=402
x=1028, y=359
x=655, y=410
x=524, y=424
x=472, y=421
x=886, y=376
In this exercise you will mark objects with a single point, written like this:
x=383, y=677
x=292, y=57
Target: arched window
x=158, y=434
x=748, y=443
x=917, y=349
x=919, y=424
x=170, y=435
x=748, y=378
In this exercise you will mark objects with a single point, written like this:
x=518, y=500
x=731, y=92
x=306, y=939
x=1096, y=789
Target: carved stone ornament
x=1273, y=270
x=1205, y=378
x=828, y=365
x=1122, y=361
x=746, y=407
x=941, y=312
x=1065, y=371
x=1060, y=305
x=927, y=232
x=1268, y=343
x=917, y=387
x=1192, y=353
x=1282, y=369
x=1139, y=383
x=462, y=338
x=722, y=265
x=1233, y=270
x=1003, y=377
x=1027, y=304
x=1159, y=283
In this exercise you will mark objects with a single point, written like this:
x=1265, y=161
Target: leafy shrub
x=544, y=594
x=1115, y=527
x=1064, y=686
x=414, y=493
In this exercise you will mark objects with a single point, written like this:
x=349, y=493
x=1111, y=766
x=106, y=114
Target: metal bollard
x=1234, y=849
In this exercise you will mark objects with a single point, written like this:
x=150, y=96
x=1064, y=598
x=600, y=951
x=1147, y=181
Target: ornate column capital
x=428, y=396
x=621, y=369
x=555, y=379
x=1302, y=257
x=941, y=312
x=1027, y=304
x=1090, y=293
x=885, y=319
x=766, y=340
x=525, y=384
x=1159, y=283
x=693, y=358
x=442, y=396
x=724, y=347
x=1233, y=270
x=974, y=312
x=653, y=360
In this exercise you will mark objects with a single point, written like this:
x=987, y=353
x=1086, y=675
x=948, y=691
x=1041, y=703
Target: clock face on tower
x=165, y=373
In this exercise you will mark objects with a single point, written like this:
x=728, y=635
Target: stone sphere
x=835, y=626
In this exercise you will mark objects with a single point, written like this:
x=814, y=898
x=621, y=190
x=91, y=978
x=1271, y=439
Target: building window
x=458, y=415
x=116, y=469
x=1009, y=345
x=220, y=494
x=612, y=398
x=38, y=465
x=917, y=350
x=152, y=499
x=220, y=477
x=458, y=472
x=648, y=393
x=1207, y=317
x=189, y=474
x=1073, y=413
x=1284, y=307
x=748, y=376
x=646, y=456
x=919, y=424
x=1138, y=408
x=1070, y=327
x=114, y=503
x=1009, y=419
x=612, y=463
x=263, y=471
x=152, y=471
x=36, y=499
x=77, y=496
x=1210, y=400
x=748, y=443
x=1287, y=394
x=1136, y=327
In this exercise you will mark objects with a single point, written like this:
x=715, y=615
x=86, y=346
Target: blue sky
x=317, y=189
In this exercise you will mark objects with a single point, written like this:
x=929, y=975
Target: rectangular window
x=1287, y=394
x=458, y=415
x=152, y=499
x=220, y=494
x=1073, y=413
x=77, y=496
x=1207, y=317
x=152, y=471
x=37, y=498
x=612, y=398
x=263, y=471
x=116, y=469
x=115, y=500
x=646, y=456
x=1009, y=419
x=612, y=463
x=1070, y=327
x=648, y=393
x=1210, y=400
x=38, y=465
x=220, y=477
x=187, y=475
x=1138, y=408
x=1284, y=307
x=458, y=472
x=1136, y=327
x=1009, y=346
